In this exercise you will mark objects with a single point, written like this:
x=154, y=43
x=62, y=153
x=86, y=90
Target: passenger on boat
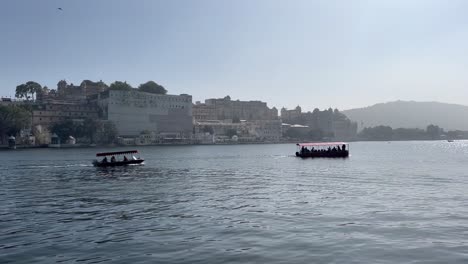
x=343, y=147
x=104, y=160
x=113, y=159
x=339, y=149
x=125, y=158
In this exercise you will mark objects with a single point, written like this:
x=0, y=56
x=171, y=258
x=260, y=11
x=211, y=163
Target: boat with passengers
x=110, y=159
x=323, y=150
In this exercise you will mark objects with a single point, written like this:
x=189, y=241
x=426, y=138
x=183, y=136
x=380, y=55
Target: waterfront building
x=10, y=101
x=46, y=114
x=217, y=127
x=265, y=130
x=245, y=131
x=227, y=109
x=86, y=89
x=344, y=130
x=90, y=88
x=330, y=123
x=204, y=112
x=134, y=112
x=297, y=130
x=291, y=114
x=72, y=93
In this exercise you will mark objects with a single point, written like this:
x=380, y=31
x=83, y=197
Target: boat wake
x=54, y=166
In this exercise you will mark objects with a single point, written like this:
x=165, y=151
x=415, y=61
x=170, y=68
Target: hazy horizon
x=340, y=54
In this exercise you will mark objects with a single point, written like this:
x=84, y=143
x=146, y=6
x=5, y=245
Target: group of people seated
x=337, y=149
x=113, y=159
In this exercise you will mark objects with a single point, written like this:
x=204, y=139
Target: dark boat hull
x=117, y=163
x=341, y=154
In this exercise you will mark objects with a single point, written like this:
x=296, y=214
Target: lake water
x=398, y=202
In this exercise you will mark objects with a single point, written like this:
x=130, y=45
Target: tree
x=13, y=119
x=231, y=132
x=377, y=133
x=208, y=129
x=409, y=134
x=26, y=89
x=66, y=128
x=152, y=87
x=90, y=129
x=121, y=86
x=21, y=91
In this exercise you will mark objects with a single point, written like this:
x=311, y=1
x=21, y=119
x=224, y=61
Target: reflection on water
x=387, y=203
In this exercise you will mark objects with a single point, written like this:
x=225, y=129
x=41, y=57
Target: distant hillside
x=410, y=114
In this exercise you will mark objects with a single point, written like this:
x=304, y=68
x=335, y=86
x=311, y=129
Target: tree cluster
x=386, y=133
x=13, y=119
x=148, y=87
x=93, y=131
x=28, y=90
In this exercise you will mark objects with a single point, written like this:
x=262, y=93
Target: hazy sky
x=326, y=53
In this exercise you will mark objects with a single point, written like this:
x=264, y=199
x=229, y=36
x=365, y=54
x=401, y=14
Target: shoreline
x=81, y=146
x=77, y=146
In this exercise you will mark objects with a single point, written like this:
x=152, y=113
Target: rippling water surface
x=399, y=202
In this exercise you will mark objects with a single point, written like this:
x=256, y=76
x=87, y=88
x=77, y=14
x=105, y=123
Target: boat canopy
x=321, y=144
x=116, y=153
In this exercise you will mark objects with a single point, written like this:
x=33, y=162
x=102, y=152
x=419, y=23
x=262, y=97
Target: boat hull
x=341, y=154
x=117, y=163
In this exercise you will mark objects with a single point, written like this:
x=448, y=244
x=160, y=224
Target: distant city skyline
x=316, y=54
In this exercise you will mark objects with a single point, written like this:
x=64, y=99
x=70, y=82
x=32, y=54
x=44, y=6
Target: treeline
x=386, y=133
x=13, y=118
x=148, y=87
x=88, y=131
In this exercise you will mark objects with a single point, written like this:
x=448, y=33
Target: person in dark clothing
x=113, y=159
x=343, y=147
x=104, y=160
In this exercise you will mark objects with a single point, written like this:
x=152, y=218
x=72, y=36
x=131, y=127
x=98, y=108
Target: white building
x=134, y=112
x=246, y=131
